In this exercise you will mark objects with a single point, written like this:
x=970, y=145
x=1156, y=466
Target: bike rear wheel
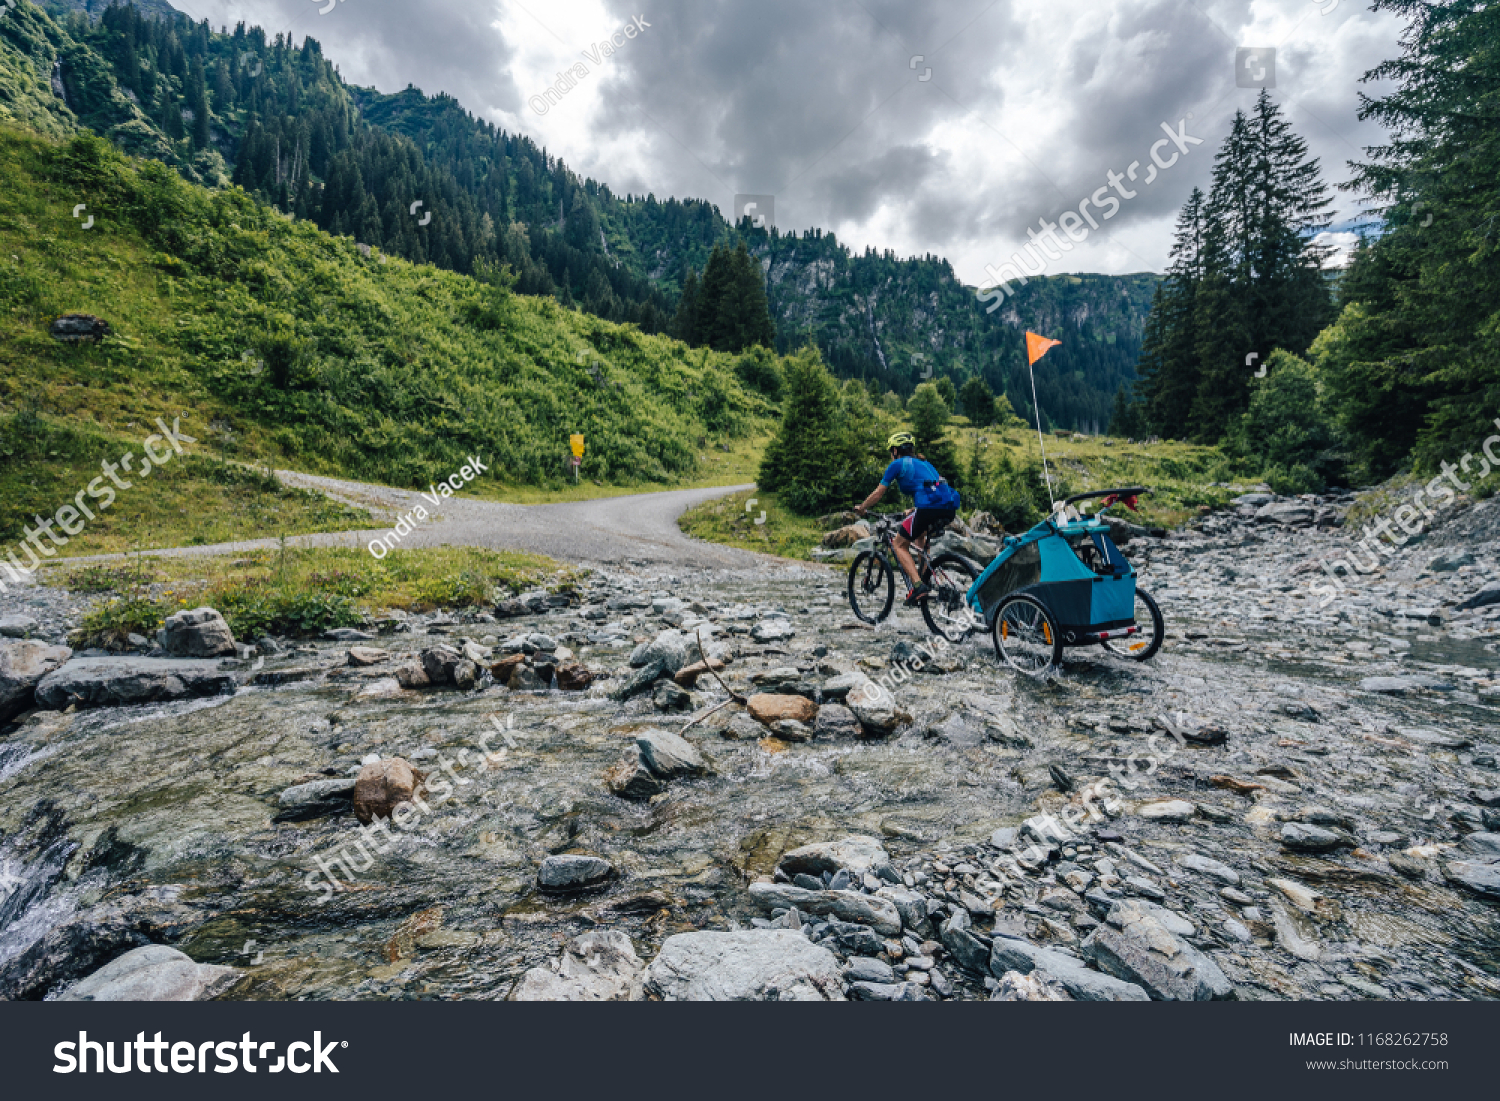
x=1025, y=636
x=947, y=611
x=872, y=587
x=1143, y=645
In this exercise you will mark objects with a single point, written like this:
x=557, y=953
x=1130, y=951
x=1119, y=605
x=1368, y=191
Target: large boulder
x=1135, y=945
x=382, y=786
x=857, y=853
x=22, y=667
x=600, y=966
x=1482, y=598
x=847, y=535
x=154, y=973
x=113, y=681
x=18, y=626
x=74, y=328
x=197, y=633
x=65, y=953
x=872, y=910
x=757, y=965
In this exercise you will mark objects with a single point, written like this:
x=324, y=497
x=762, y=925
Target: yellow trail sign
x=576, y=441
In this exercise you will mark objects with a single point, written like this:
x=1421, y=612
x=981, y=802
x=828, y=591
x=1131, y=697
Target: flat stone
x=1485, y=847
x=598, y=966
x=887, y=992
x=856, y=852
x=367, y=655
x=744, y=966
x=18, y=626
x=1399, y=686
x=1207, y=865
x=1482, y=879
x=115, y=681
x=872, y=910
x=573, y=872
x=154, y=973
x=1302, y=838
x=911, y=905
x=1035, y=987
x=1172, y=810
x=1084, y=985
x=868, y=969
x=318, y=791
x=1482, y=598
x=670, y=756
x=772, y=630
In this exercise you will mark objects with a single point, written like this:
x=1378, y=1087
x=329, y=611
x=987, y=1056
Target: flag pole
x=1037, y=408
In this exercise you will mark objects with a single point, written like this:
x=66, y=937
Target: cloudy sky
x=941, y=126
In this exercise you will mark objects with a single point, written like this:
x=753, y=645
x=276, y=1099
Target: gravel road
x=637, y=530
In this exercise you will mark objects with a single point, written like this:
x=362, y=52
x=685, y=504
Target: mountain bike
x=872, y=583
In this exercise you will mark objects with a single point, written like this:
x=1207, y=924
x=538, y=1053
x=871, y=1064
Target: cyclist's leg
x=901, y=544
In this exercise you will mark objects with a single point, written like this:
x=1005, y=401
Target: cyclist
x=936, y=504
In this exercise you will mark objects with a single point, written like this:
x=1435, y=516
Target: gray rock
x=836, y=721
x=670, y=756
x=872, y=910
x=573, y=872
x=1303, y=838
x=1084, y=985
x=1005, y=837
x=1170, y=810
x=23, y=665
x=772, y=630
x=1135, y=946
x=1483, y=879
x=911, y=905
x=1286, y=513
x=858, y=853
x=868, y=969
x=465, y=675
x=669, y=697
x=154, y=973
x=966, y=949
x=631, y=779
x=197, y=633
x=318, y=791
x=1484, y=846
x=1291, y=935
x=744, y=966
x=599, y=966
x=1140, y=885
x=873, y=706
x=1207, y=865
x=348, y=634
x=1399, y=686
x=17, y=626
x=839, y=687
x=1035, y=987
x=887, y=992
x=670, y=648
x=1482, y=598
x=111, y=682
x=1450, y=561
x=439, y=662
x=639, y=681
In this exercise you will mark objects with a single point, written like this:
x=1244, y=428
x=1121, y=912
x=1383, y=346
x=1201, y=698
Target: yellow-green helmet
x=900, y=439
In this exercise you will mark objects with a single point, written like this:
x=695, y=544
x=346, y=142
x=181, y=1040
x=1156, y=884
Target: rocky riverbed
x=1297, y=798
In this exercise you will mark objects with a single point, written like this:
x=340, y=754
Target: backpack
x=932, y=490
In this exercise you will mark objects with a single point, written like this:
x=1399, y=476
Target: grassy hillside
x=277, y=344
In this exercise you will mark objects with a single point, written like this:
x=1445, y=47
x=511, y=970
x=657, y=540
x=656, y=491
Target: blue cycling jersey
x=920, y=481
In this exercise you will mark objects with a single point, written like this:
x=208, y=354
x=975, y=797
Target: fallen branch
x=734, y=697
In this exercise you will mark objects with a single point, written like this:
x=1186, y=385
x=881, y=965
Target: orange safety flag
x=1036, y=347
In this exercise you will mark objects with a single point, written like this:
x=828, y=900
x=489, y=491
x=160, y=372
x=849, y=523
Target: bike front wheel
x=1026, y=637
x=947, y=610
x=872, y=587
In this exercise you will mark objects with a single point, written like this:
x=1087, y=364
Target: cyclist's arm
x=872, y=500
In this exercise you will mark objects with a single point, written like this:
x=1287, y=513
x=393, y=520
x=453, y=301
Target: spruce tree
x=977, y=401
x=1169, y=367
